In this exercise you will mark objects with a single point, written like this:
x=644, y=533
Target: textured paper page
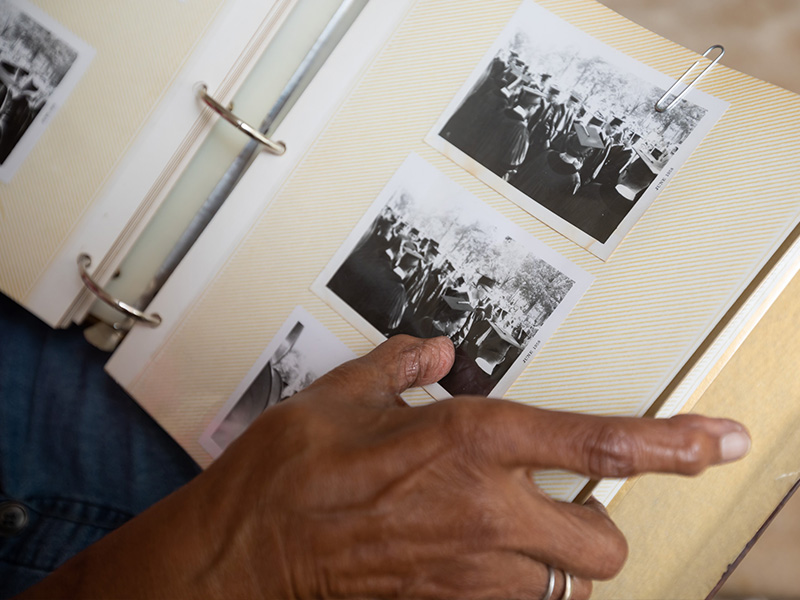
x=651, y=304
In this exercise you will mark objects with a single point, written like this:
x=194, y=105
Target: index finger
x=519, y=435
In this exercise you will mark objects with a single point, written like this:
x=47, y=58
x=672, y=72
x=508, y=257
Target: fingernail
x=734, y=445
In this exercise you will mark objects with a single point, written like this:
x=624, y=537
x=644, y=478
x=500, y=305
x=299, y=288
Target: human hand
x=369, y=498
x=342, y=491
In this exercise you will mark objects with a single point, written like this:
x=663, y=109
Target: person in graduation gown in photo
x=611, y=136
x=368, y=280
x=479, y=110
x=553, y=177
x=564, y=127
x=506, y=144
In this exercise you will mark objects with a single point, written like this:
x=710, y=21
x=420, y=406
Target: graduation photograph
x=40, y=63
x=430, y=259
x=566, y=127
x=300, y=352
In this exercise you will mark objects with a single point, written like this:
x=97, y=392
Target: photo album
x=497, y=173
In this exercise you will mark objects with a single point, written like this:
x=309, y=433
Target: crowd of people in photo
x=22, y=96
x=587, y=168
x=399, y=281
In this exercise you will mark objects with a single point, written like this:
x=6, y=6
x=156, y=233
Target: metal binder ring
x=84, y=260
x=661, y=101
x=274, y=147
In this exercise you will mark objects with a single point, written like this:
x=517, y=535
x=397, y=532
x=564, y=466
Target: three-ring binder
x=659, y=106
x=84, y=260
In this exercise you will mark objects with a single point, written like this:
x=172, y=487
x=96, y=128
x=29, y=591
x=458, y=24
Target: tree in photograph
x=541, y=286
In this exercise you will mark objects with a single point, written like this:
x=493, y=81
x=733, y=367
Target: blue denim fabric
x=75, y=451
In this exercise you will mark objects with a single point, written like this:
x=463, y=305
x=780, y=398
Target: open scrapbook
x=627, y=327
x=495, y=172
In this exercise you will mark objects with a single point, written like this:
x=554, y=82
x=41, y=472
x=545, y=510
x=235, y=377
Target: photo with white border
x=41, y=62
x=565, y=126
x=428, y=258
x=300, y=352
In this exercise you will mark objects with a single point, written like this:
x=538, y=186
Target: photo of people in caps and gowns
x=301, y=351
x=33, y=61
x=553, y=115
x=431, y=264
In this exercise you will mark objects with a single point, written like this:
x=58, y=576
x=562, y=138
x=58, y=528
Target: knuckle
x=693, y=455
x=465, y=423
x=292, y=423
x=611, y=451
x=338, y=378
x=458, y=417
x=409, y=364
x=461, y=460
x=605, y=546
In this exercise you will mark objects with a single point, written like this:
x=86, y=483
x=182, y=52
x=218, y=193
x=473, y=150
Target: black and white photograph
x=300, y=352
x=566, y=127
x=40, y=63
x=429, y=259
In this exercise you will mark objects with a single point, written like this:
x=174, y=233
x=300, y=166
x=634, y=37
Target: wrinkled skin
x=345, y=492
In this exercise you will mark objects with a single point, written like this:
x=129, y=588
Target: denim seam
x=112, y=509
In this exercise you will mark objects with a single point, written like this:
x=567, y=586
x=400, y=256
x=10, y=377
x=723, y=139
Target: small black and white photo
x=300, y=352
x=40, y=63
x=566, y=127
x=429, y=258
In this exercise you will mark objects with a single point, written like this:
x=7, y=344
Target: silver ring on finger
x=567, y=595
x=551, y=583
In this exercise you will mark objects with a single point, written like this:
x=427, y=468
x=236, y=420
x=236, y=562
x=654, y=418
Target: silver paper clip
x=661, y=101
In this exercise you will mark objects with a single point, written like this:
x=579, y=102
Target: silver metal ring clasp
x=84, y=260
x=274, y=147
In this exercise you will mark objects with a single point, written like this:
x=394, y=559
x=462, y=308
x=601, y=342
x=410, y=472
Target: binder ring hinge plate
x=274, y=147
x=84, y=260
x=661, y=104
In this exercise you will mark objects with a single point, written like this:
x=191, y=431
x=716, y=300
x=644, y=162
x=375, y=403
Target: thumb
x=399, y=363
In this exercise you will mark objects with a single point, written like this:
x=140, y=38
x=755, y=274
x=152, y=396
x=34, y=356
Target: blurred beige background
x=761, y=38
